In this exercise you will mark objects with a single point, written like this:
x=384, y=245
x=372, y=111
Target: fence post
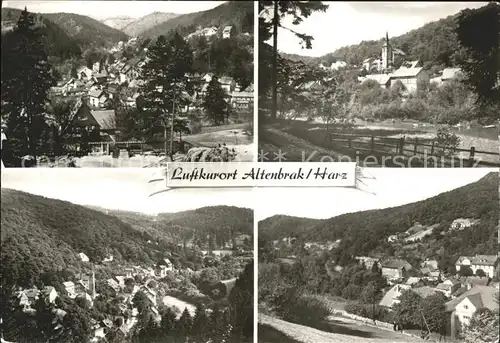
x=415, y=146
x=432, y=148
x=402, y=145
x=349, y=143
x=372, y=145
x=471, y=156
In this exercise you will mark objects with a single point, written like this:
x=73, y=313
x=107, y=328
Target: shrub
x=447, y=141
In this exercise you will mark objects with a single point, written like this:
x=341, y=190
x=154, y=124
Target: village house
x=411, y=78
x=98, y=98
x=209, y=31
x=461, y=309
x=449, y=74
x=85, y=73
x=395, y=268
x=241, y=101
x=462, y=223
x=392, y=238
x=28, y=298
x=334, y=66
x=487, y=263
x=383, y=80
x=83, y=257
x=472, y=281
x=49, y=293
x=113, y=286
x=449, y=286
x=368, y=261
x=431, y=264
x=226, y=33
x=391, y=297
x=69, y=287
x=130, y=70
x=413, y=280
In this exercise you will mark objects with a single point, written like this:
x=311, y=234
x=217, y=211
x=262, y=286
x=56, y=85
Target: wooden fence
x=380, y=145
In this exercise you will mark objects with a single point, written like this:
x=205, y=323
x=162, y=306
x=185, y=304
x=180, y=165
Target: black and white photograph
x=410, y=256
x=126, y=83
x=93, y=255
x=394, y=84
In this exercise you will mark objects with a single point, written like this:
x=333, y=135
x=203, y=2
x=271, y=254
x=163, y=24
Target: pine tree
x=167, y=324
x=200, y=322
x=26, y=80
x=214, y=102
x=185, y=323
x=166, y=75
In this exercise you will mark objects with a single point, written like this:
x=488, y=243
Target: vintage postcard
x=126, y=84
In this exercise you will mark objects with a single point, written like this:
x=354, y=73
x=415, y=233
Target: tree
x=481, y=64
x=26, y=80
x=482, y=328
x=214, y=102
x=480, y=273
x=166, y=75
x=141, y=302
x=200, y=322
x=434, y=311
x=465, y=271
x=407, y=311
x=61, y=118
x=369, y=295
x=185, y=323
x=267, y=29
x=180, y=127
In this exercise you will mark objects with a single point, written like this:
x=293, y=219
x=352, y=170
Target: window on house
x=466, y=307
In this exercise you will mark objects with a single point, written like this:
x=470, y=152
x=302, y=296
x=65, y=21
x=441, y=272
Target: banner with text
x=260, y=174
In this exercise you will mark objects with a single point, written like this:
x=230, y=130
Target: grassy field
x=268, y=334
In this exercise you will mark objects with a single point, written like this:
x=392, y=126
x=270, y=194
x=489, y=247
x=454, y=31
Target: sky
x=392, y=187
x=112, y=9
x=347, y=23
x=126, y=189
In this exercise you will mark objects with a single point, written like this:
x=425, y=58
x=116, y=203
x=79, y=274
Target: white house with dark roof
x=411, y=78
x=395, y=268
x=488, y=263
x=97, y=98
x=391, y=297
x=462, y=308
x=84, y=73
x=384, y=80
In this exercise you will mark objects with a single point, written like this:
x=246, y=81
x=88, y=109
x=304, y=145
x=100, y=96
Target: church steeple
x=386, y=53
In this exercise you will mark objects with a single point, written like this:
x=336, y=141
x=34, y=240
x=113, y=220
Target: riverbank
x=300, y=140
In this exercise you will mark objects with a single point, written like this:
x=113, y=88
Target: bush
x=447, y=141
x=304, y=310
x=376, y=312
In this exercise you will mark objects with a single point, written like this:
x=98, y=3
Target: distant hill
x=137, y=27
x=363, y=232
x=238, y=14
x=281, y=226
x=78, y=29
x=85, y=30
x=118, y=22
x=221, y=221
x=434, y=43
x=55, y=40
x=41, y=234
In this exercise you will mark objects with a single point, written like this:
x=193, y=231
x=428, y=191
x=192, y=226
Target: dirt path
x=306, y=334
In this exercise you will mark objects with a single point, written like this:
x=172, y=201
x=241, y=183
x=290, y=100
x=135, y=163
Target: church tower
x=386, y=53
